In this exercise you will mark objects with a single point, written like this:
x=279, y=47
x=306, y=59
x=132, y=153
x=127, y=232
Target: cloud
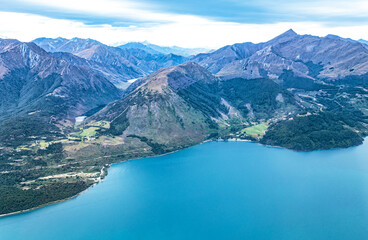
x=193, y=32
x=319, y=8
x=145, y=21
x=121, y=12
x=122, y=9
x=355, y=8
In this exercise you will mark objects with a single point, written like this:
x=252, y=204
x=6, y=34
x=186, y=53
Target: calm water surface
x=217, y=190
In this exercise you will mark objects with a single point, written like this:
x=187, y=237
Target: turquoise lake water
x=217, y=190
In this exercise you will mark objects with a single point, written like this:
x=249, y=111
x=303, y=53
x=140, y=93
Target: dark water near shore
x=217, y=190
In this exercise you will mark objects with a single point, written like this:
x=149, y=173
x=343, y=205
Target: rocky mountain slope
x=182, y=105
x=155, y=110
x=306, y=56
x=36, y=86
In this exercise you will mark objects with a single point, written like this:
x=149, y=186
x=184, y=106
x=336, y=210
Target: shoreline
x=109, y=165
x=44, y=205
x=60, y=200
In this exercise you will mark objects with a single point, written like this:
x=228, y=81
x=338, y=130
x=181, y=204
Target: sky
x=186, y=23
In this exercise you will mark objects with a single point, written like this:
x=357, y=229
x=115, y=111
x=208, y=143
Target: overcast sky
x=186, y=23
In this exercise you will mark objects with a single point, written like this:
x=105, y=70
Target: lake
x=216, y=190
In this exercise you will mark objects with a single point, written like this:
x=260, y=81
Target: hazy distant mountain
x=117, y=75
x=51, y=44
x=138, y=45
x=155, y=49
x=116, y=64
x=307, y=56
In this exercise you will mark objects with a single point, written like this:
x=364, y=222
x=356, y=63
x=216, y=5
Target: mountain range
x=155, y=49
x=63, y=111
x=326, y=58
x=37, y=87
x=184, y=104
x=117, y=64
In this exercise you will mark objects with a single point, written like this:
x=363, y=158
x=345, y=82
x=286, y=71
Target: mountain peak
x=77, y=39
x=289, y=33
x=184, y=75
x=284, y=37
x=6, y=44
x=177, y=77
x=333, y=36
x=189, y=65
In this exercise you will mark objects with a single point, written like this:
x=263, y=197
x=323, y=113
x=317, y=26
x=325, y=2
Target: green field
x=256, y=130
x=89, y=132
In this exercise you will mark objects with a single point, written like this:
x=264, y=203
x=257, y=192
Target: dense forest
x=319, y=131
x=14, y=199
